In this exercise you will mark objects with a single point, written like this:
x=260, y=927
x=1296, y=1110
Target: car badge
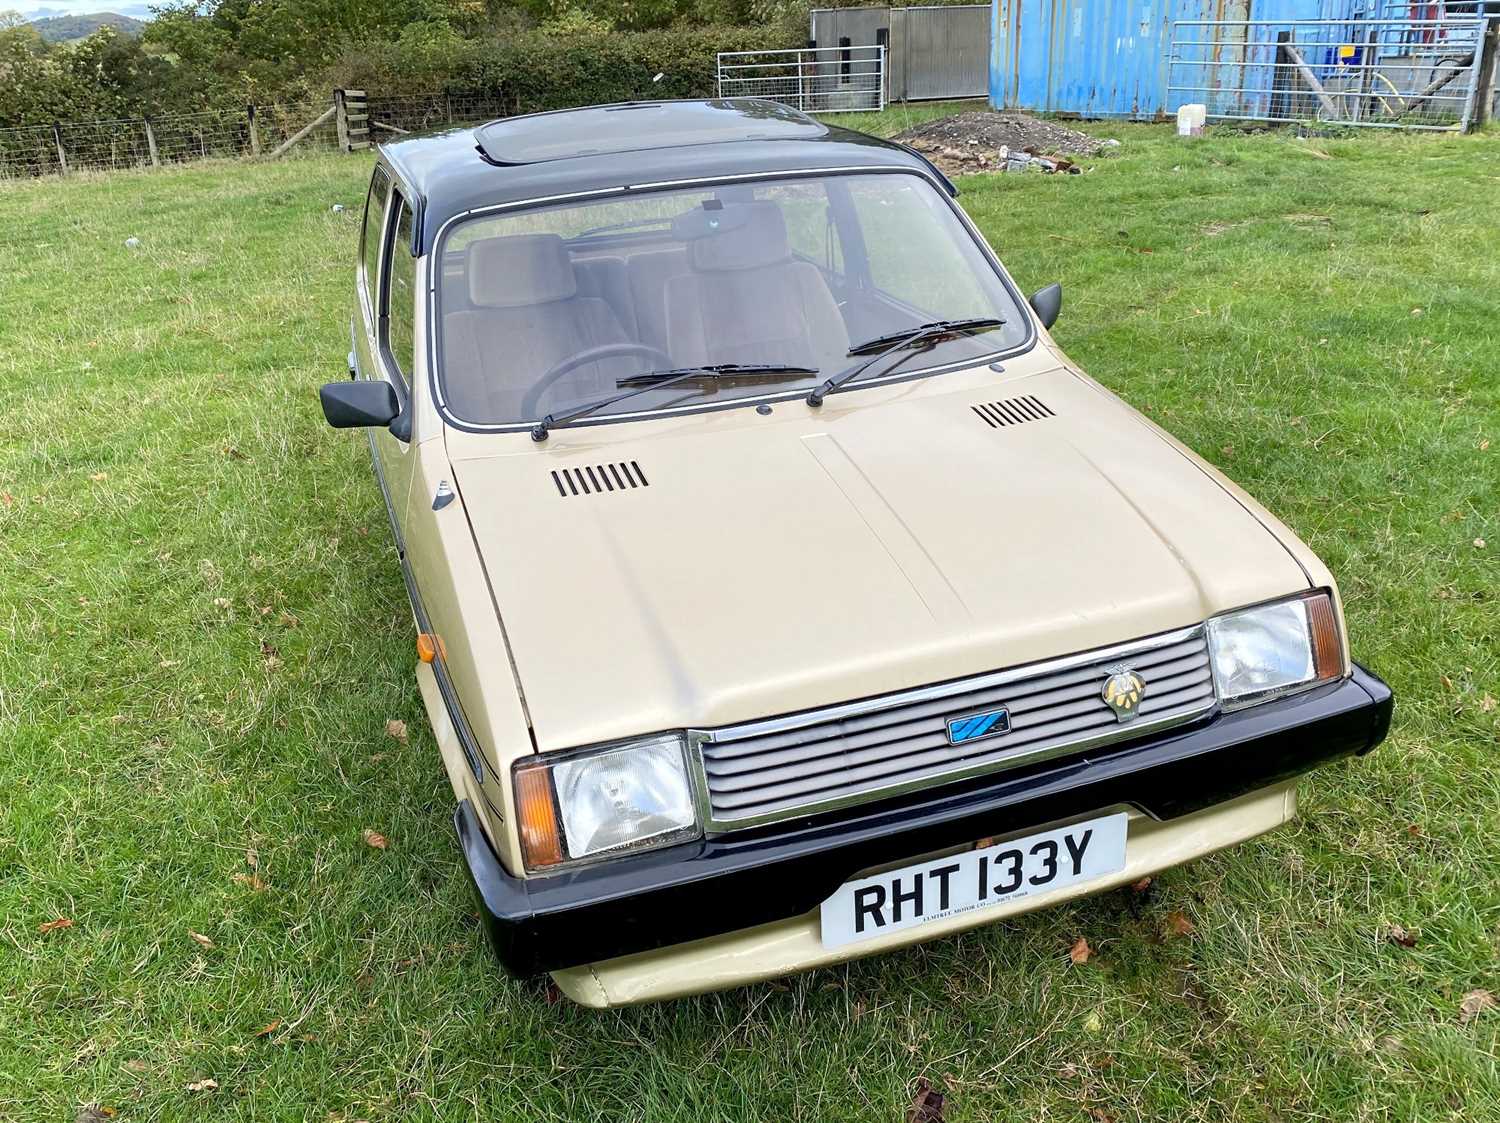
x=971, y=727
x=1122, y=692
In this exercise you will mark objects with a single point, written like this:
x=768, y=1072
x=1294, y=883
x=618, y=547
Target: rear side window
x=369, y=240
x=401, y=308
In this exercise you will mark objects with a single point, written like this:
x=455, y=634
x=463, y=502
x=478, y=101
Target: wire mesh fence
x=105, y=145
x=1392, y=72
x=261, y=130
x=418, y=113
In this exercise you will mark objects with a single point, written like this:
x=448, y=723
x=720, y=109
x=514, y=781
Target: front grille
x=768, y=770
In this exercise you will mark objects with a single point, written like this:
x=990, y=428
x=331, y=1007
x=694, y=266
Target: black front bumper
x=726, y=883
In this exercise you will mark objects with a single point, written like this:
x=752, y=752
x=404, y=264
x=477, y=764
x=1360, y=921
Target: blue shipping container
x=1108, y=58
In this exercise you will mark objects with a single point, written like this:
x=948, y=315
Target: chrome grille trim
x=818, y=760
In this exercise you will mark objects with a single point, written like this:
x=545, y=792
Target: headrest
x=747, y=236
x=518, y=270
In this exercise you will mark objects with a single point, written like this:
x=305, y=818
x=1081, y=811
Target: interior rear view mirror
x=1047, y=303
x=353, y=405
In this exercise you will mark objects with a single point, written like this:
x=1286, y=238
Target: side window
x=913, y=255
x=402, y=289
x=369, y=238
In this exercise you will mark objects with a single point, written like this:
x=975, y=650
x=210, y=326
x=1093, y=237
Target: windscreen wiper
x=656, y=379
x=714, y=370
x=883, y=345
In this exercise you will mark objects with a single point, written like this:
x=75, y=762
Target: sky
x=35, y=9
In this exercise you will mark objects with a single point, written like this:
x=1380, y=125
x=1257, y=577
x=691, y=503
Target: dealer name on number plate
x=978, y=879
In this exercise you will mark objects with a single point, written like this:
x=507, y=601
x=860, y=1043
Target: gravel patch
x=981, y=141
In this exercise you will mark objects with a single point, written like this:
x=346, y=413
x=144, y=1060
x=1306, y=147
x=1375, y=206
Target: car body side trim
x=472, y=752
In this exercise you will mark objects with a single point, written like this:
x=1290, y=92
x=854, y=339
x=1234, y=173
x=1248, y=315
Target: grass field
x=203, y=634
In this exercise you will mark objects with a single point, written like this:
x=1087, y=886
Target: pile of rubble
x=981, y=141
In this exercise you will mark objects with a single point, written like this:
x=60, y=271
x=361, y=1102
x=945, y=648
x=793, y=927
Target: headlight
x=632, y=796
x=1264, y=652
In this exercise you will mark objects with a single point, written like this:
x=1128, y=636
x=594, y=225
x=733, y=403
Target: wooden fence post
x=62, y=157
x=254, y=132
x=151, y=142
x=341, y=119
x=1487, y=96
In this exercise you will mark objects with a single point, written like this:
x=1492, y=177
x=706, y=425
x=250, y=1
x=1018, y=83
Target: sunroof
x=635, y=126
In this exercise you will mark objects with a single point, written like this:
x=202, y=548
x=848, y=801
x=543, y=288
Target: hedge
x=533, y=70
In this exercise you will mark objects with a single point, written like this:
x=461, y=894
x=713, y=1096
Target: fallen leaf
x=252, y=858
x=271, y=654
x=1142, y=885
x=1483, y=445
x=1416, y=311
x=201, y=938
x=234, y=453
x=1099, y=1115
x=1479, y=543
x=99, y=477
x=1399, y=935
x=9, y=500
x=253, y=880
x=54, y=925
x=221, y=602
x=1487, y=704
x=1414, y=830
x=1447, y=683
x=396, y=728
x=1080, y=951
x=271, y=1027
x=93, y=1113
x=375, y=839
x=1476, y=1002
x=207, y=1084
x=135, y=1064
x=926, y=1105
x=1093, y=1023
x=1177, y=924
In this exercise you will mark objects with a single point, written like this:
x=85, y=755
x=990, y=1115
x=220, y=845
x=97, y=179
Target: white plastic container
x=1191, y=119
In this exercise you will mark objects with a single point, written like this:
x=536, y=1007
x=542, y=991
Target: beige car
x=783, y=593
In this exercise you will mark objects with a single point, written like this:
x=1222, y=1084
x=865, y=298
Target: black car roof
x=622, y=147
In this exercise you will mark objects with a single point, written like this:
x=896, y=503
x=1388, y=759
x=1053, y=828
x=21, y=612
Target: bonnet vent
x=592, y=478
x=1012, y=411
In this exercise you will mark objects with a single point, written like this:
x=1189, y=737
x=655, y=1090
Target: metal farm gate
x=1399, y=71
x=932, y=52
x=813, y=79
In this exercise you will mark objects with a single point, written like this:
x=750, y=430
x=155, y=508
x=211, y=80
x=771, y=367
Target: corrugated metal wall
x=939, y=52
x=932, y=52
x=1107, y=58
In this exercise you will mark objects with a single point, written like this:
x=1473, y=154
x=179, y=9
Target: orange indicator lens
x=541, y=841
x=1328, y=652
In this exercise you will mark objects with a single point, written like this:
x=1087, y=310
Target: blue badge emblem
x=972, y=727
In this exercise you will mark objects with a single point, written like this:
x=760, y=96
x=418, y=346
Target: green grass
x=203, y=633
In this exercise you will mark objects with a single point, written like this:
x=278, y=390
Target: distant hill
x=59, y=29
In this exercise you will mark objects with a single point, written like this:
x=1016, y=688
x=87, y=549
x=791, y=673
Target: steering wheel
x=578, y=359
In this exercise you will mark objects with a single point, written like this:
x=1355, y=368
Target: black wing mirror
x=354, y=405
x=1047, y=303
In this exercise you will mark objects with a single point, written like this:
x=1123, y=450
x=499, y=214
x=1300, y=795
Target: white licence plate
x=977, y=879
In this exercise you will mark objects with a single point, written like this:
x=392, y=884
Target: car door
x=385, y=332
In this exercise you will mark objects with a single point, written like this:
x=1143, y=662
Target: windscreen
x=550, y=309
